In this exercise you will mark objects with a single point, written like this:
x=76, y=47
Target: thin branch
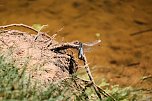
x=54, y=35
x=105, y=93
x=133, y=64
x=97, y=89
x=90, y=76
x=84, y=59
x=74, y=44
x=50, y=42
x=29, y=27
x=100, y=89
x=59, y=30
x=141, y=32
x=19, y=25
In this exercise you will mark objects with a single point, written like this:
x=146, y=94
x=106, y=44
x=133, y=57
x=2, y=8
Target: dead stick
x=100, y=89
x=74, y=44
x=141, y=32
x=59, y=30
x=29, y=27
x=20, y=25
x=105, y=93
x=90, y=76
x=51, y=39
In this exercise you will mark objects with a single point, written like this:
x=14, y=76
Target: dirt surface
x=122, y=58
x=34, y=55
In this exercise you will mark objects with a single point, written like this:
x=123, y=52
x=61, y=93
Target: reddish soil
x=121, y=58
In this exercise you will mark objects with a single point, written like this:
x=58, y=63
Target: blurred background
x=124, y=56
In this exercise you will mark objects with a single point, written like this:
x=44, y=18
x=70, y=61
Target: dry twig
x=141, y=32
x=29, y=27
x=90, y=75
x=54, y=35
x=50, y=41
x=19, y=25
x=100, y=89
x=62, y=46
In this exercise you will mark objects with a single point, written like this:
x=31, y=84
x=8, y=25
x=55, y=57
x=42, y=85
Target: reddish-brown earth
x=121, y=58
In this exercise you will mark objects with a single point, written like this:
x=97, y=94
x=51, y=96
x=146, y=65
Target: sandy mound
x=41, y=62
